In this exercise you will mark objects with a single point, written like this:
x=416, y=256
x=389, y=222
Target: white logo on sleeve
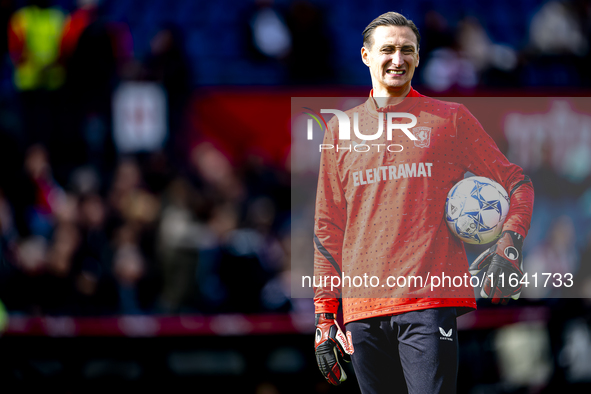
x=446, y=335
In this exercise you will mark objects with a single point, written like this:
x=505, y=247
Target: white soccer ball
x=476, y=209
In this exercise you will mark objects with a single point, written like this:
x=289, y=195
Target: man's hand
x=331, y=346
x=503, y=258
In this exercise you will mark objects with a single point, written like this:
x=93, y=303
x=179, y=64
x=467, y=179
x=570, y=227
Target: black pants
x=414, y=352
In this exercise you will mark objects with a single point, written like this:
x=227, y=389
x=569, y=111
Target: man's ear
x=365, y=56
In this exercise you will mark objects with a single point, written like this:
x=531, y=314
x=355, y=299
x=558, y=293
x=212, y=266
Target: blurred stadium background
x=145, y=186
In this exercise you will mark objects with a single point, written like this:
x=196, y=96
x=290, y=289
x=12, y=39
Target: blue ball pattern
x=476, y=209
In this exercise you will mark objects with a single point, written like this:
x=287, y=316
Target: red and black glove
x=503, y=265
x=331, y=347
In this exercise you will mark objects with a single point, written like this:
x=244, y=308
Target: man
x=379, y=213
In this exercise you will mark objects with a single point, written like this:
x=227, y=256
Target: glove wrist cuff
x=516, y=237
x=322, y=316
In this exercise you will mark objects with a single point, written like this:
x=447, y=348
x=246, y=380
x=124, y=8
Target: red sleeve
x=483, y=158
x=330, y=221
x=70, y=36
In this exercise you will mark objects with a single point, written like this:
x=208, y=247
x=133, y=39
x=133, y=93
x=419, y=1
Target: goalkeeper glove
x=503, y=265
x=331, y=346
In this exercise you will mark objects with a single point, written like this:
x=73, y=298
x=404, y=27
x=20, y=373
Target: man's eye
x=408, y=51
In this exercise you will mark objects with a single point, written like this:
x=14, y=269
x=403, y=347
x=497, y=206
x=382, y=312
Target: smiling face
x=392, y=60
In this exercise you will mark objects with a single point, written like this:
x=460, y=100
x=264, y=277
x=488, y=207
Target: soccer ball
x=475, y=210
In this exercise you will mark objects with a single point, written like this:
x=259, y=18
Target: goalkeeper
x=377, y=214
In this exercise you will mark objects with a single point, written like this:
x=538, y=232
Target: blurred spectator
x=276, y=293
x=260, y=218
x=8, y=232
x=75, y=25
x=167, y=64
x=3, y=317
x=582, y=284
x=34, y=33
x=129, y=269
x=266, y=43
x=180, y=236
x=456, y=65
x=94, y=51
x=250, y=256
x=6, y=10
x=232, y=268
x=555, y=30
x=269, y=36
x=310, y=58
x=132, y=220
x=471, y=58
x=557, y=55
x=495, y=64
x=556, y=255
x=546, y=178
x=132, y=205
x=56, y=286
x=92, y=218
x=445, y=69
x=22, y=282
x=127, y=180
x=217, y=173
x=213, y=293
x=474, y=43
x=33, y=39
x=94, y=290
x=436, y=33
x=37, y=196
x=160, y=169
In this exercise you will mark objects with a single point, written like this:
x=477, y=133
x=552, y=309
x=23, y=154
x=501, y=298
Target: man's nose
x=397, y=59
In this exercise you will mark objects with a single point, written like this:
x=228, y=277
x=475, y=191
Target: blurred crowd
x=465, y=45
x=547, y=47
x=90, y=226
x=151, y=240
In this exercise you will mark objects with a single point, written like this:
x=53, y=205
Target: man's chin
x=395, y=83
x=394, y=87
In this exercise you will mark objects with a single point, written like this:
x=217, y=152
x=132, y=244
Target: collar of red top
x=403, y=106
